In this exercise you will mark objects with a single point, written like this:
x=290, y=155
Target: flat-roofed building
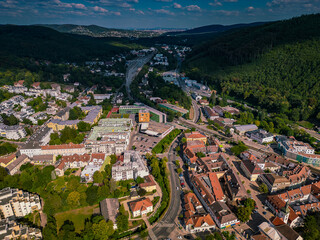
x=144, y=116
x=155, y=115
x=242, y=129
x=174, y=108
x=18, y=203
x=131, y=167
x=156, y=129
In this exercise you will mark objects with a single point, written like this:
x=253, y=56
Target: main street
x=167, y=225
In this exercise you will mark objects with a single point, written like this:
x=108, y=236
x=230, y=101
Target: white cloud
x=100, y=9
x=215, y=3
x=177, y=5
x=79, y=6
x=164, y=11
x=250, y=8
x=193, y=8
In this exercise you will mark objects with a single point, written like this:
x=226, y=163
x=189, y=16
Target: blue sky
x=152, y=13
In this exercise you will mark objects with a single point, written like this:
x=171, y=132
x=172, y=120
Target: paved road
x=133, y=69
x=311, y=132
x=196, y=109
x=167, y=224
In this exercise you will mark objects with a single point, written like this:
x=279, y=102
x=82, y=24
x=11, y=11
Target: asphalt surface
x=196, y=111
x=133, y=69
x=167, y=224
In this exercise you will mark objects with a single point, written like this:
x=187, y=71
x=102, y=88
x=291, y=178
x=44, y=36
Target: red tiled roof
x=6, y=159
x=98, y=156
x=62, y=146
x=76, y=158
x=277, y=221
x=216, y=187
x=140, y=205
x=148, y=182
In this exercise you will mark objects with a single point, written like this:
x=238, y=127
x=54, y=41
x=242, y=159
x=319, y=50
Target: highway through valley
x=134, y=67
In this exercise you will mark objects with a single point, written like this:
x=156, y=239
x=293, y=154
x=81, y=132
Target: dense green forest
x=47, y=44
x=274, y=66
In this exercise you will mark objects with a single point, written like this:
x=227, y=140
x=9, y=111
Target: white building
x=260, y=135
x=141, y=207
x=94, y=165
x=17, y=203
x=12, y=132
x=131, y=167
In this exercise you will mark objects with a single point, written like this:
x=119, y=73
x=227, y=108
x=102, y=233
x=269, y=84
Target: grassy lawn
x=106, y=161
x=77, y=216
x=306, y=124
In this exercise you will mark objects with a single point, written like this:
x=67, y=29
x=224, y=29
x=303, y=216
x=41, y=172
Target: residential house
x=222, y=215
x=210, y=113
x=251, y=169
x=199, y=223
x=274, y=182
x=141, y=207
x=234, y=186
x=149, y=184
x=207, y=187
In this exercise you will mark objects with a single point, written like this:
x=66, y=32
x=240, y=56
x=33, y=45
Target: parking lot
x=144, y=143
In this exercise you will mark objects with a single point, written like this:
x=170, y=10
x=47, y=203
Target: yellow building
x=6, y=160
x=149, y=184
x=195, y=136
x=144, y=116
x=58, y=125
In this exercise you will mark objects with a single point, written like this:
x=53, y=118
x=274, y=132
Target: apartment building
x=96, y=163
x=12, y=132
x=72, y=161
x=18, y=203
x=10, y=229
x=131, y=167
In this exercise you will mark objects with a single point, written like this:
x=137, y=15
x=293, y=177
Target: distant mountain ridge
x=215, y=28
x=98, y=31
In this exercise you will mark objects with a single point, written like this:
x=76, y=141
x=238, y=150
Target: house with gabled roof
x=200, y=223
x=141, y=207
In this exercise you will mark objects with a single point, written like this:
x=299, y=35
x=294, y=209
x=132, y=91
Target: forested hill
x=215, y=28
x=274, y=66
x=97, y=31
x=47, y=44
